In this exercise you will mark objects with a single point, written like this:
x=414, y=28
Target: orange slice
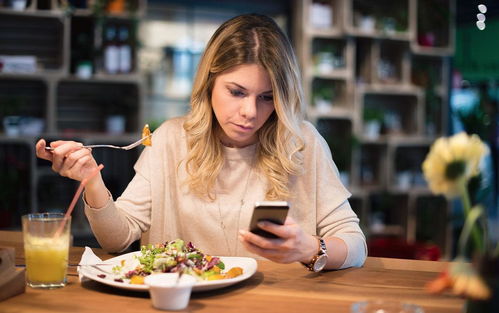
x=146, y=132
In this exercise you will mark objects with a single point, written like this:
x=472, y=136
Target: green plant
x=323, y=89
x=373, y=114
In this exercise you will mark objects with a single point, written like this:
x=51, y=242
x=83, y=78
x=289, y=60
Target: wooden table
x=274, y=288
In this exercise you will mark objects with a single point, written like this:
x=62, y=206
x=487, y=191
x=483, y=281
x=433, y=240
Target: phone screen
x=272, y=211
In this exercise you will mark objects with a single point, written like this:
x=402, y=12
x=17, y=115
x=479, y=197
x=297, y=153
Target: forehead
x=249, y=76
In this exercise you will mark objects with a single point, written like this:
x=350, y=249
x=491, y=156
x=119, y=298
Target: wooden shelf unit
x=390, y=77
x=68, y=106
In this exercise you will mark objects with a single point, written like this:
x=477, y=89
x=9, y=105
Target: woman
x=243, y=141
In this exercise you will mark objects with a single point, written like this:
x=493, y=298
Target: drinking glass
x=46, y=249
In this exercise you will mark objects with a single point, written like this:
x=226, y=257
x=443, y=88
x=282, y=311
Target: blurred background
x=383, y=79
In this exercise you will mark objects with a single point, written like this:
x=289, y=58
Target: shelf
x=401, y=116
x=389, y=214
x=331, y=113
x=372, y=166
x=341, y=146
x=383, y=19
x=51, y=101
x=81, y=107
x=38, y=36
x=388, y=105
x=401, y=36
x=434, y=27
x=32, y=13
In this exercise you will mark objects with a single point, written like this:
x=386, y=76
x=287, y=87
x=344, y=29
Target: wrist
x=311, y=250
x=320, y=259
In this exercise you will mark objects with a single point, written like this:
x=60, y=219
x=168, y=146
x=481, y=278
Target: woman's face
x=242, y=101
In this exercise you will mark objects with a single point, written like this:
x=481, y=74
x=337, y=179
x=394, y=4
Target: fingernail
x=242, y=232
x=262, y=224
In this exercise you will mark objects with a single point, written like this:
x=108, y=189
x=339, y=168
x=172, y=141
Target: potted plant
x=373, y=120
x=323, y=96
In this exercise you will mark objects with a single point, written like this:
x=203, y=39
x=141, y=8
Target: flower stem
x=475, y=234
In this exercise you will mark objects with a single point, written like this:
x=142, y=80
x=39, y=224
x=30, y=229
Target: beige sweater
x=156, y=206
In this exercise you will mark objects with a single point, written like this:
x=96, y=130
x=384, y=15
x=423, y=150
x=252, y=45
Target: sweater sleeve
x=118, y=224
x=335, y=217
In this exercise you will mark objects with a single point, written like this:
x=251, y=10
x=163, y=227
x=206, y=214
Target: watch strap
x=322, y=251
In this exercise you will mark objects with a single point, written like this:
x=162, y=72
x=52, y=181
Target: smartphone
x=272, y=211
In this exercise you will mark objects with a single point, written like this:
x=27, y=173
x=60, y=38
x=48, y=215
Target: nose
x=248, y=108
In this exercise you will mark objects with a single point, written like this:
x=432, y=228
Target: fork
x=130, y=146
x=97, y=267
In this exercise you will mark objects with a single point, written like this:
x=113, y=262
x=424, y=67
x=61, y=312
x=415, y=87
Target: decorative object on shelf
x=327, y=56
x=373, y=120
x=387, y=72
x=111, y=50
x=84, y=70
x=18, y=5
x=449, y=167
x=388, y=25
x=12, y=125
x=25, y=64
x=323, y=98
x=321, y=15
x=404, y=180
x=367, y=23
x=433, y=23
x=115, y=124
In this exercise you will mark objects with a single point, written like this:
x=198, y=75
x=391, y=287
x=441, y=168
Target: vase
x=489, y=271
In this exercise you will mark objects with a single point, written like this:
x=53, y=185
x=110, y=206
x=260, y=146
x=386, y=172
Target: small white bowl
x=168, y=292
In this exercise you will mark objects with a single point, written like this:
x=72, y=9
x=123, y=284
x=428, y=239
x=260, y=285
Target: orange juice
x=46, y=260
x=46, y=249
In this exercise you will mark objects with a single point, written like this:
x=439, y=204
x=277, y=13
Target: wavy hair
x=247, y=39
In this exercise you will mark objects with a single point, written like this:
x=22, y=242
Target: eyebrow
x=242, y=87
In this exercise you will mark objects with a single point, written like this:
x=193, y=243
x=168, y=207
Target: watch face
x=320, y=263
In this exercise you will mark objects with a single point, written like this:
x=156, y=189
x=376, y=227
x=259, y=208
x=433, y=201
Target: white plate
x=248, y=265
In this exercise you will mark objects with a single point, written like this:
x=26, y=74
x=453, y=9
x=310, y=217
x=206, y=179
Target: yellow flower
x=452, y=160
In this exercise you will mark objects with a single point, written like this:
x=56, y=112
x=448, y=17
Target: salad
x=174, y=257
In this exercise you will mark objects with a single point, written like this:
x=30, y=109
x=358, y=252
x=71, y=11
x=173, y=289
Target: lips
x=244, y=127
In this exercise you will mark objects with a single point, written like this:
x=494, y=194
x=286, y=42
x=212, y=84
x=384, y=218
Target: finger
x=41, y=152
x=281, y=231
x=75, y=156
x=273, y=255
x=61, y=151
x=57, y=143
x=80, y=168
x=259, y=241
x=252, y=247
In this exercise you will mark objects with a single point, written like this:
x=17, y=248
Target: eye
x=267, y=98
x=236, y=92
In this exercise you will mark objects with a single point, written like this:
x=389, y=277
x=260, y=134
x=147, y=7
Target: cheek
x=217, y=104
x=266, y=112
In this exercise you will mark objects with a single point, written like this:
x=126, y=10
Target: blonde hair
x=247, y=39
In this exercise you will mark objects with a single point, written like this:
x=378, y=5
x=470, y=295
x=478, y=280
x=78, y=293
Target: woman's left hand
x=293, y=244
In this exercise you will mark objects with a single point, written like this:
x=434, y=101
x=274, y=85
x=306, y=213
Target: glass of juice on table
x=46, y=249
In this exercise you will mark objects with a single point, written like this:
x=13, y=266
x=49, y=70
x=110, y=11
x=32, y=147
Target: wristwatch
x=320, y=259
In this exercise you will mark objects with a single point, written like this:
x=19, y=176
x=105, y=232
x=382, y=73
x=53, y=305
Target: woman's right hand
x=68, y=158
